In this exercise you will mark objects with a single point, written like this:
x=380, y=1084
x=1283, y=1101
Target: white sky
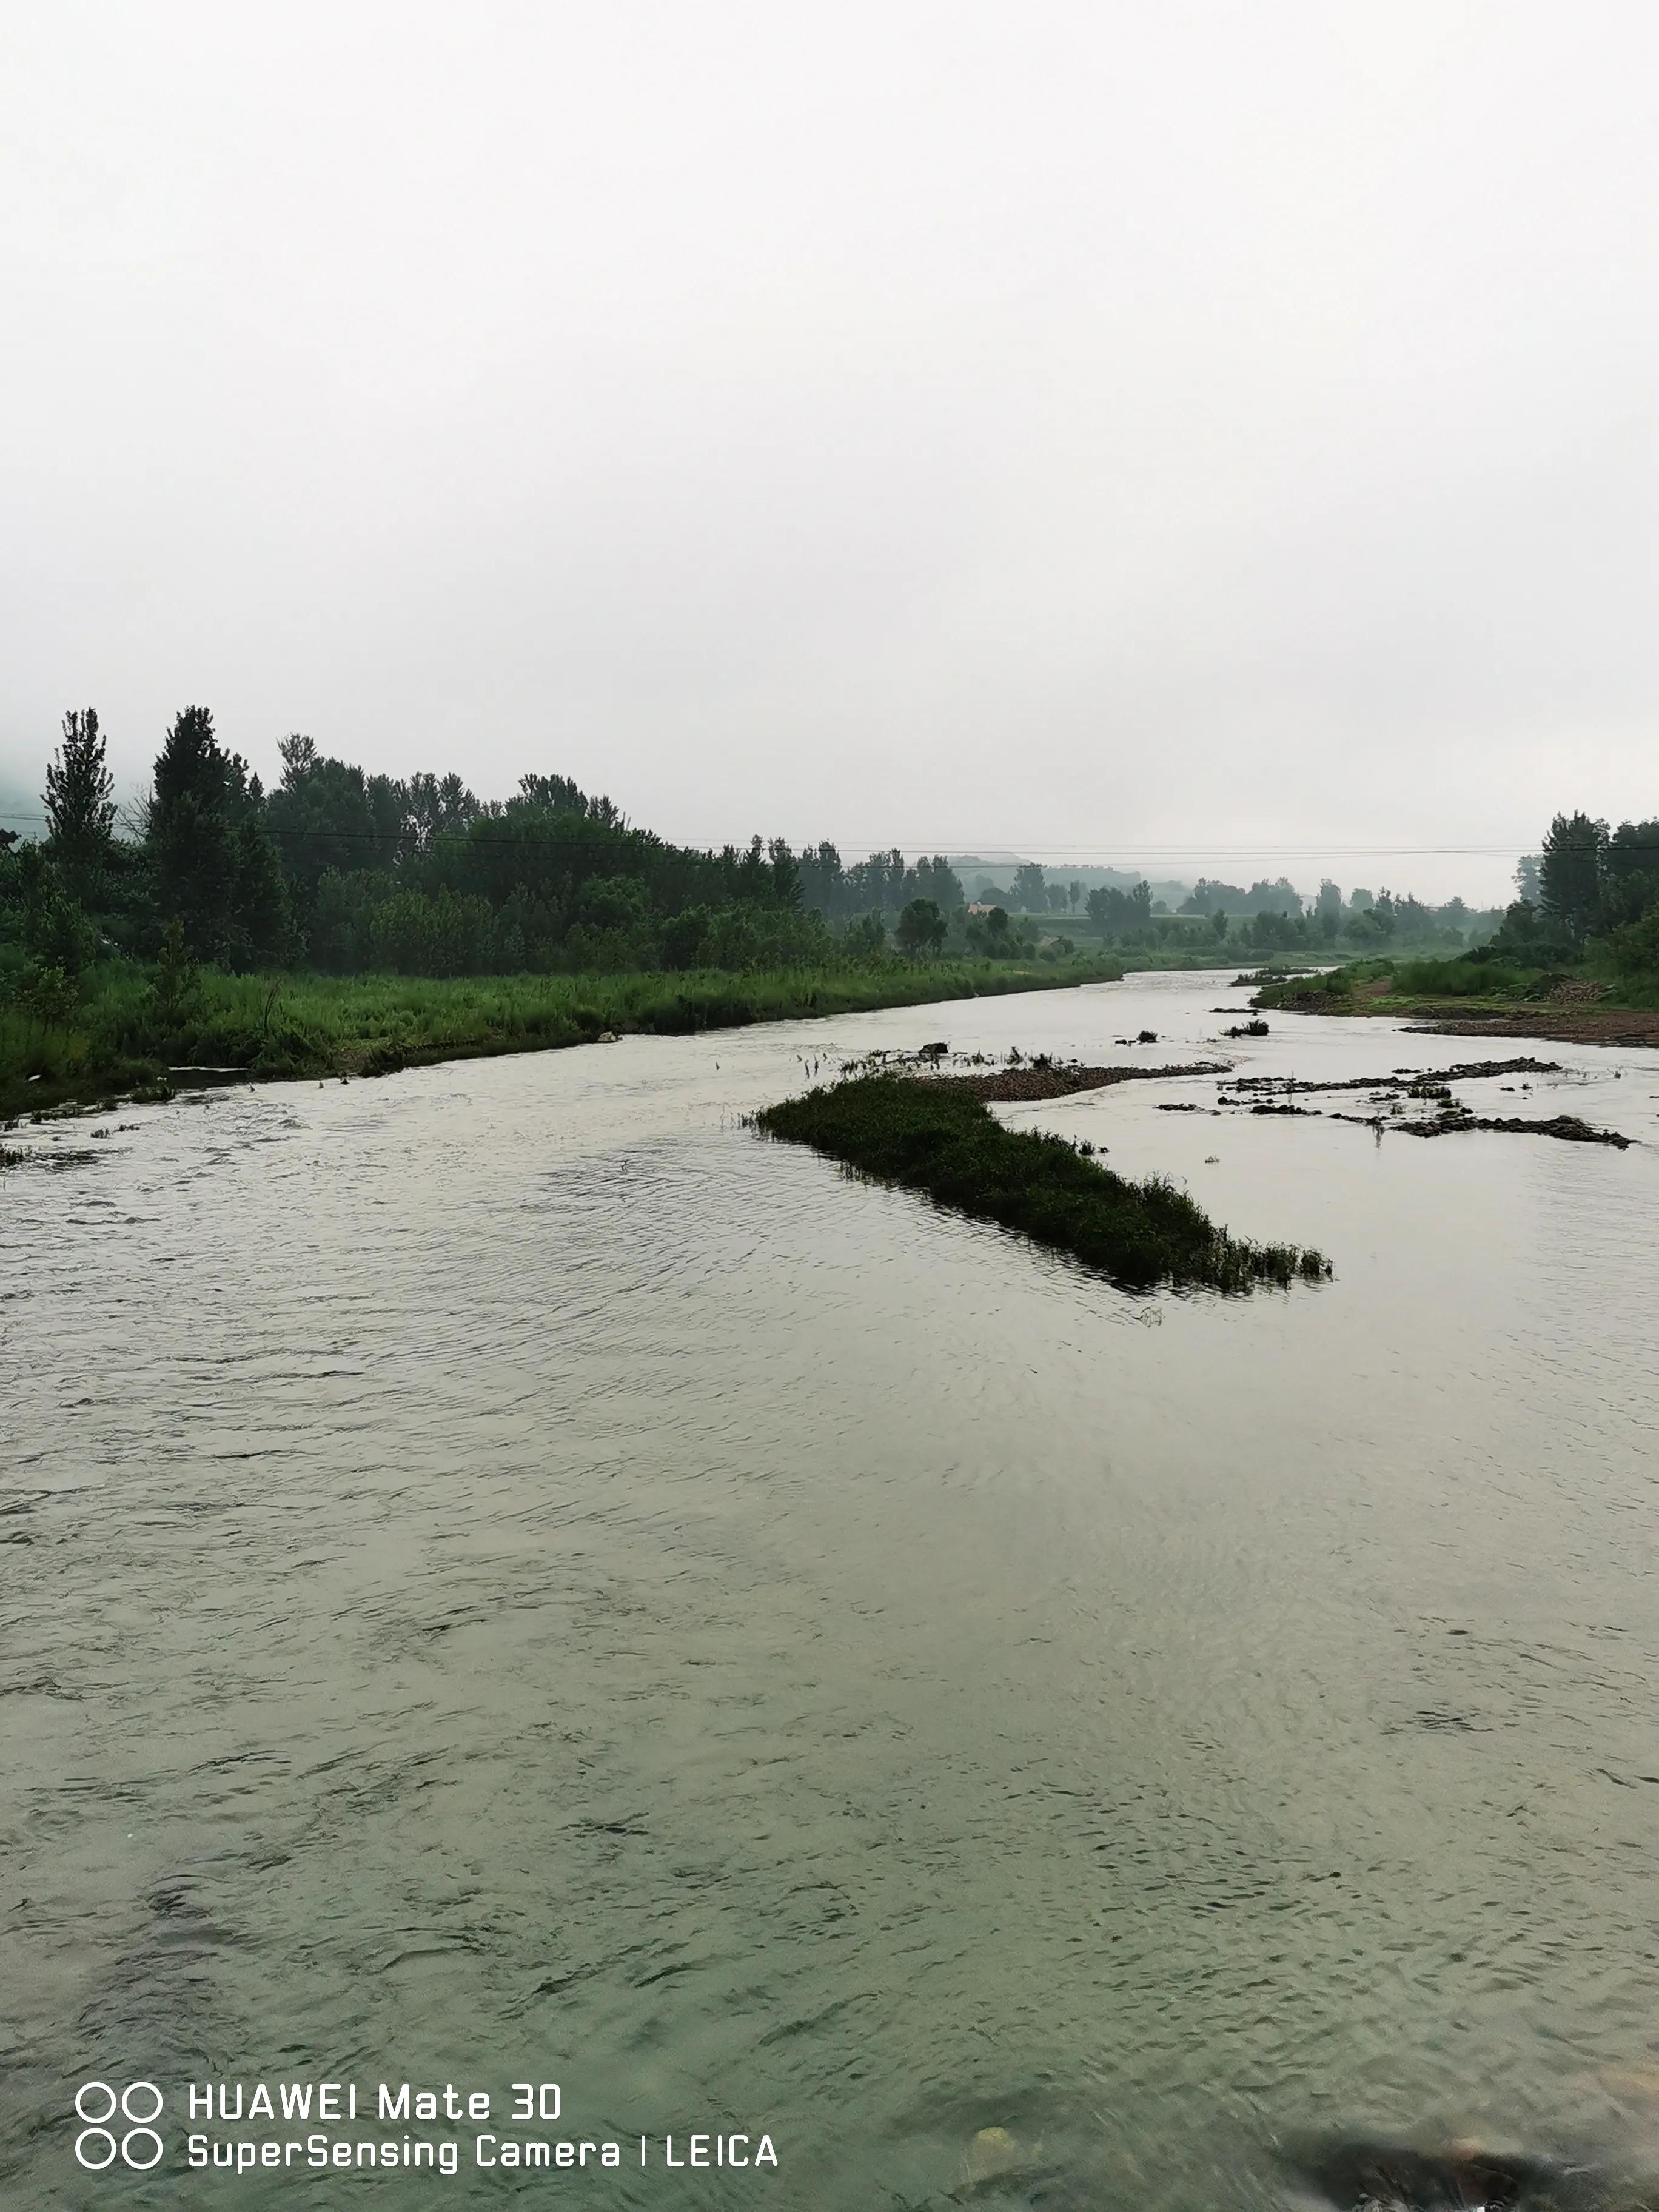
x=1208, y=432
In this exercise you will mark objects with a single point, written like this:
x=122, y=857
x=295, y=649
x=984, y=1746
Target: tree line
x=1591, y=891
x=1264, y=917
x=344, y=871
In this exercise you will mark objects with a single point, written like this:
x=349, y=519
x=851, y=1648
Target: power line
x=954, y=850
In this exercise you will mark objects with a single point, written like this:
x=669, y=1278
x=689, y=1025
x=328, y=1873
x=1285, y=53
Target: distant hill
x=977, y=870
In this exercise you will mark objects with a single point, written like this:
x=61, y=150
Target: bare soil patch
x=1554, y=1025
x=1024, y=1086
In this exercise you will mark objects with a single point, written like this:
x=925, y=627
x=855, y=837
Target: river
x=511, y=1575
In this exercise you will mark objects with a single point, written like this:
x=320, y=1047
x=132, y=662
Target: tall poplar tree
x=1570, y=874
x=79, y=793
x=191, y=839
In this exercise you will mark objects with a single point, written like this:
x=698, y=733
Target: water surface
x=512, y=1576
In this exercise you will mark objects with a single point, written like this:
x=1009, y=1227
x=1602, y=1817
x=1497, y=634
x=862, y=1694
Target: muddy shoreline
x=1603, y=1025
x=1026, y=1086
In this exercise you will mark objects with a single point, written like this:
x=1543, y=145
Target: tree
x=191, y=837
x=881, y=883
x=1630, y=874
x=1526, y=934
x=47, y=993
x=1031, y=888
x=1074, y=893
x=80, y=804
x=1281, y=896
x=322, y=815
x=935, y=878
x=1526, y=878
x=992, y=934
x=554, y=794
x=175, y=989
x=921, y=929
x=1274, y=930
x=1570, y=874
x=1636, y=945
x=1330, y=897
x=822, y=880
x=56, y=930
x=1218, y=927
x=786, y=875
x=1114, y=909
x=261, y=894
x=1373, y=924
x=1209, y=897
x=434, y=806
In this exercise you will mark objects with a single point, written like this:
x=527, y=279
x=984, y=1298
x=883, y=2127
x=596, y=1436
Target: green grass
x=1475, y=984
x=903, y=1131
x=268, y=1028
x=1407, y=979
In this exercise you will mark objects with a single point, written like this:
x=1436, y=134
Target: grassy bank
x=1405, y=987
x=1494, y=997
x=923, y=1138
x=119, y=1043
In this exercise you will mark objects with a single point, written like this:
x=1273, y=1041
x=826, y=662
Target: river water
x=513, y=1577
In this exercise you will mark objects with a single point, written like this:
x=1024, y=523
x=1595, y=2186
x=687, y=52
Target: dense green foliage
x=1588, y=915
x=131, y=1028
x=108, y=939
x=905, y=1131
x=345, y=872
x=1590, y=898
x=1115, y=911
x=109, y=936
x=1588, y=908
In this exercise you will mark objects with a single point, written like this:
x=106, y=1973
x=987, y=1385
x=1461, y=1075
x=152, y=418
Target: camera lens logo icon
x=99, y=2144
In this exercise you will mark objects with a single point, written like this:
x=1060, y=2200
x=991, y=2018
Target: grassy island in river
x=908, y=1131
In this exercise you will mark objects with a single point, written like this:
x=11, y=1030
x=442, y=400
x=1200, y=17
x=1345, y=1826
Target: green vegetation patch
x=132, y=1030
x=1140, y=1234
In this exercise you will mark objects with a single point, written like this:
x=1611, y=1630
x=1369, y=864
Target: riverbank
x=1437, y=999
x=1550, y=1024
x=259, y=1029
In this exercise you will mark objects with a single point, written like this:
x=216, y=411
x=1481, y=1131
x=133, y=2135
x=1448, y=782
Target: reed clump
x=911, y=1133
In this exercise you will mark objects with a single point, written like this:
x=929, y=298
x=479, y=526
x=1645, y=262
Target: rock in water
x=1375, y=2177
x=992, y=2152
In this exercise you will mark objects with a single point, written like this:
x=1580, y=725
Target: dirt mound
x=1023, y=1085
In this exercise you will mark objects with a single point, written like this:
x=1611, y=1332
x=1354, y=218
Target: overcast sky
x=1122, y=431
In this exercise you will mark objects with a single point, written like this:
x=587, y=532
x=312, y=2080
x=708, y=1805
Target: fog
x=1200, y=436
